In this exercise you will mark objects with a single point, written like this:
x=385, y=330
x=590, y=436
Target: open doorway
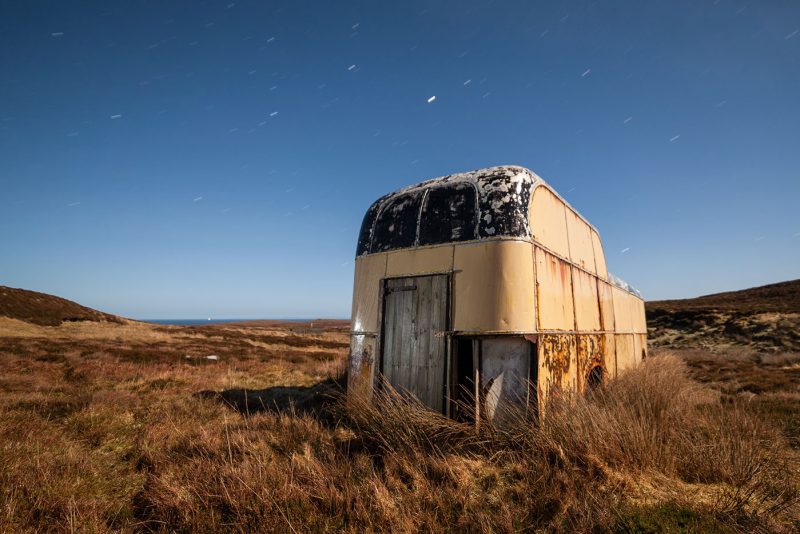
x=463, y=379
x=491, y=377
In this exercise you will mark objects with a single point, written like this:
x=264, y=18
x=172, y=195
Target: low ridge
x=765, y=318
x=46, y=310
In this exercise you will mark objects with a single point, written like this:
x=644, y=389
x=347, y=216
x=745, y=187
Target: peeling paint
x=502, y=196
x=361, y=364
x=555, y=357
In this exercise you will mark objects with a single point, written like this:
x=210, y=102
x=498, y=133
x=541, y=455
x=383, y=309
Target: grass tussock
x=590, y=452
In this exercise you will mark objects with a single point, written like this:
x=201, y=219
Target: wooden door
x=414, y=347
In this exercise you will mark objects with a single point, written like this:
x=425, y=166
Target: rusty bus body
x=486, y=283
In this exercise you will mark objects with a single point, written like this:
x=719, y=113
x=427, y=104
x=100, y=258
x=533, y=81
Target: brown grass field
x=110, y=425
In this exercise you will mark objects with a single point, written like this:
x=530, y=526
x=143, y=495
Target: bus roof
x=481, y=204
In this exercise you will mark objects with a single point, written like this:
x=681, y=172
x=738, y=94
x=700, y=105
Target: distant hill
x=46, y=310
x=782, y=297
x=759, y=318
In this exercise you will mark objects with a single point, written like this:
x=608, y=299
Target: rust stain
x=563, y=272
x=591, y=354
x=555, y=351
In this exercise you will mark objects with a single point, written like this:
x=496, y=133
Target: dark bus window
x=397, y=223
x=365, y=235
x=450, y=214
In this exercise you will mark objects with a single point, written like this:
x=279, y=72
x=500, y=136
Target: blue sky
x=185, y=159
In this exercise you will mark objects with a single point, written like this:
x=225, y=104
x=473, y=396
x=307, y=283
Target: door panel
x=414, y=347
x=505, y=375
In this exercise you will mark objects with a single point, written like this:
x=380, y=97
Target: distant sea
x=198, y=322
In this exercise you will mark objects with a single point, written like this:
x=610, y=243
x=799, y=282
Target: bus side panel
x=557, y=364
x=626, y=353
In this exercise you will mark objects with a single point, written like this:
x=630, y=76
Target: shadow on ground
x=312, y=400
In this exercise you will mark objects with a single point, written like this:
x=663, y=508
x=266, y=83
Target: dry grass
x=93, y=439
x=765, y=318
x=654, y=426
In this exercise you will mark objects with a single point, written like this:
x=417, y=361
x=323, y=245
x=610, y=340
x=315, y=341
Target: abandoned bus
x=486, y=287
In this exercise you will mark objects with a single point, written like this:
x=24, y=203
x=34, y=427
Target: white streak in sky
x=61, y=34
x=118, y=116
x=586, y=73
x=198, y=199
x=72, y=134
x=674, y=138
x=73, y=204
x=468, y=82
x=354, y=26
x=721, y=103
x=352, y=67
x=270, y=39
x=626, y=121
x=431, y=99
x=624, y=250
x=273, y=113
x=792, y=34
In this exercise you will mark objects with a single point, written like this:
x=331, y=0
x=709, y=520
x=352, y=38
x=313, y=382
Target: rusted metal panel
x=548, y=221
x=369, y=271
x=557, y=364
x=587, y=305
x=591, y=353
x=606, y=300
x=361, y=364
x=580, y=242
x=626, y=352
x=553, y=292
x=493, y=287
x=599, y=256
x=414, y=261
